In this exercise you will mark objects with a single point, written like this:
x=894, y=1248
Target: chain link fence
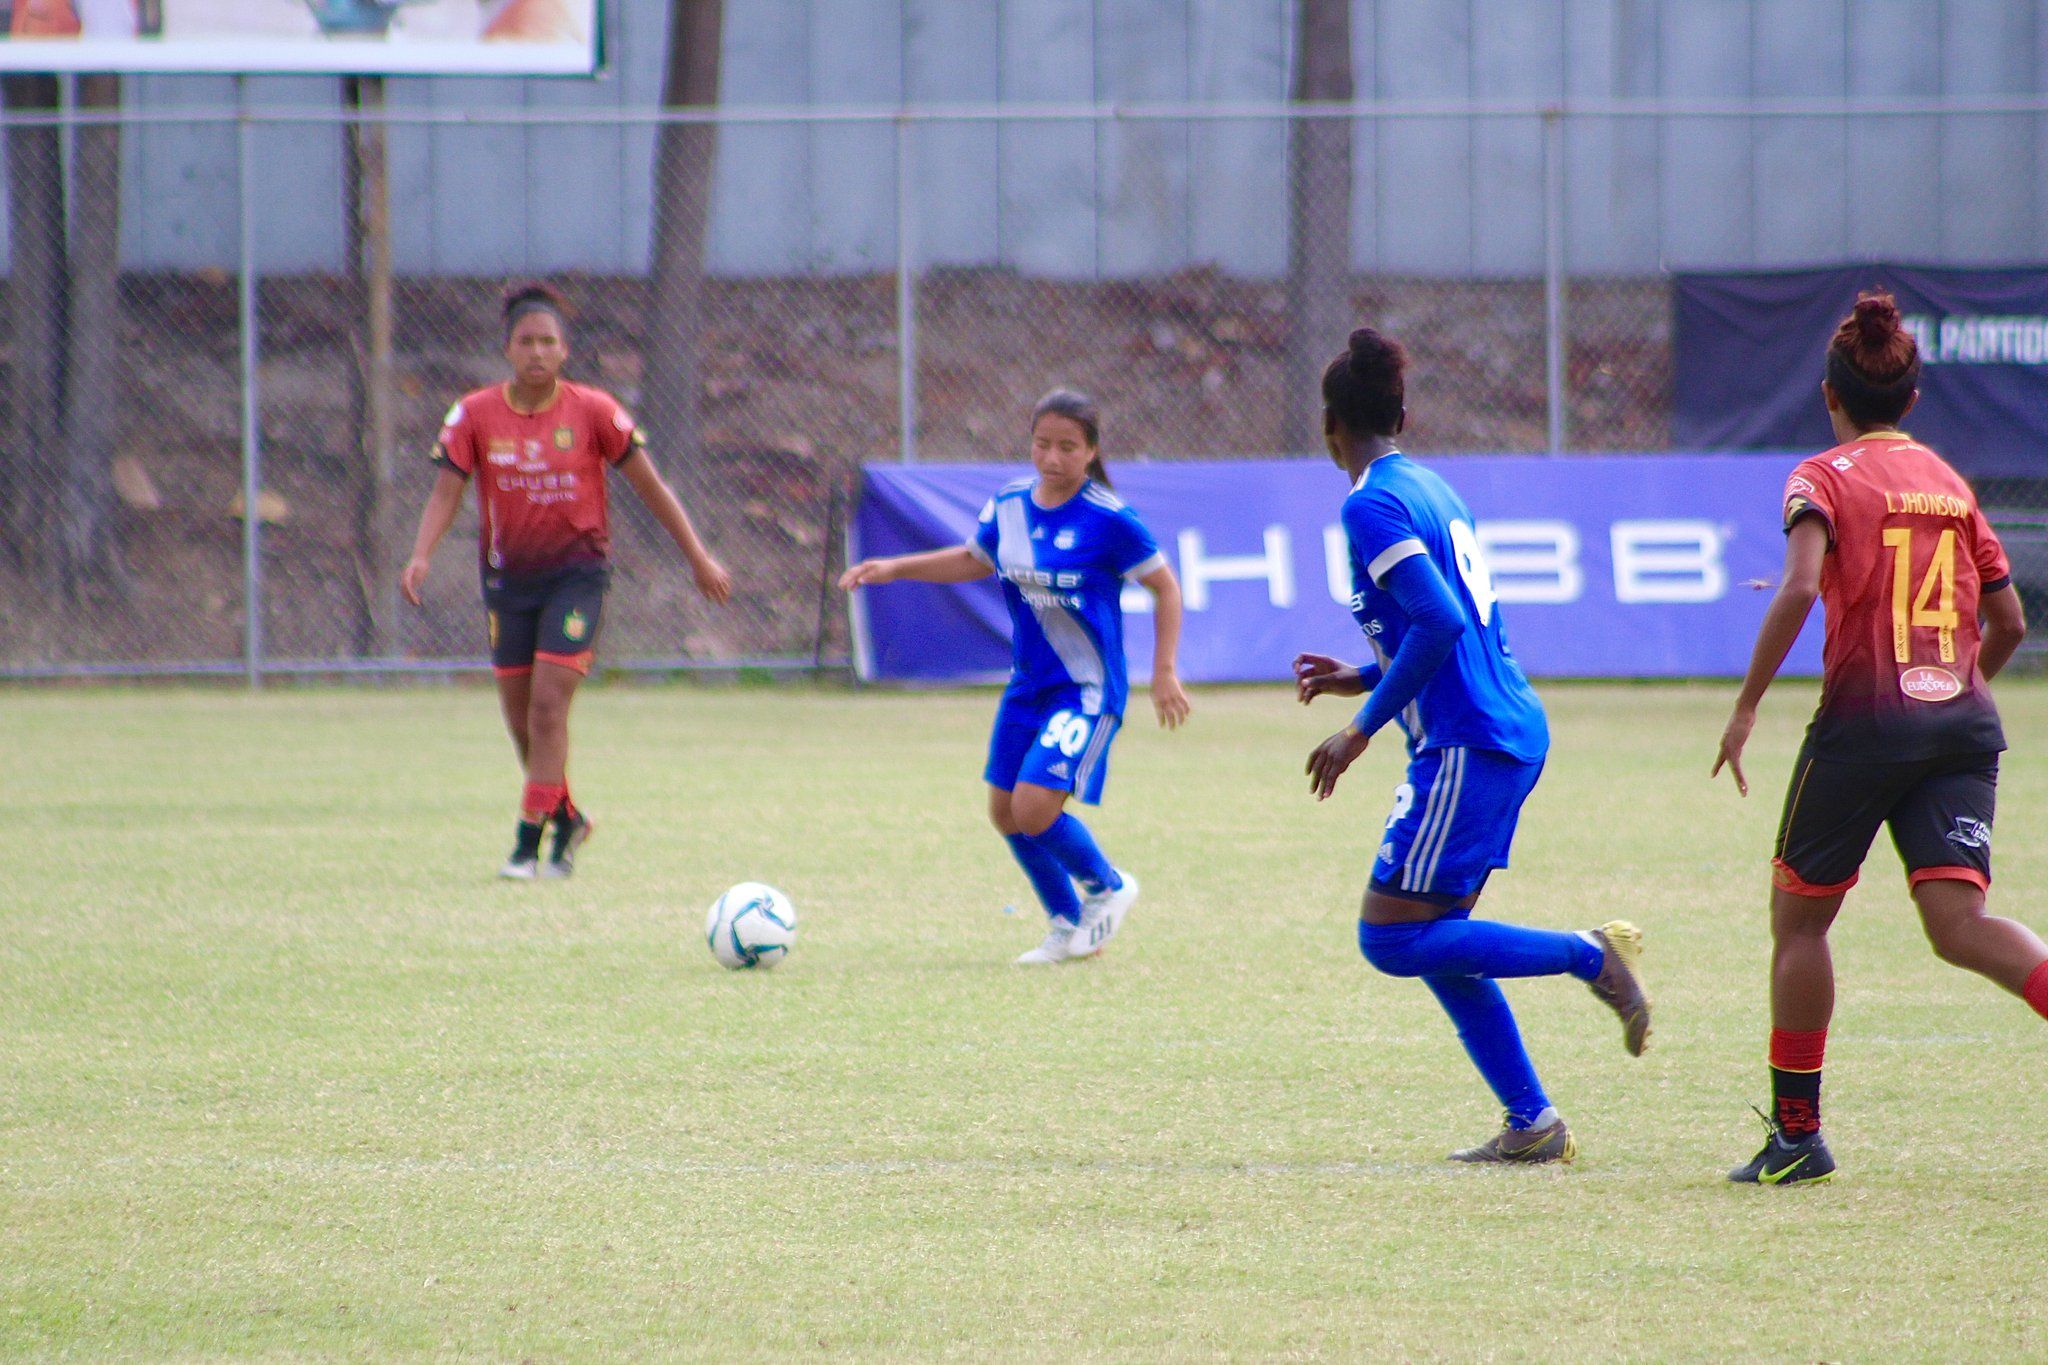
x=144, y=402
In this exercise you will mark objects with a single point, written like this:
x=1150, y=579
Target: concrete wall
x=1452, y=196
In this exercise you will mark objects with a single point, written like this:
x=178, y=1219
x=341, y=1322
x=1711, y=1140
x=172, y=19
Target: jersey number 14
x=1922, y=609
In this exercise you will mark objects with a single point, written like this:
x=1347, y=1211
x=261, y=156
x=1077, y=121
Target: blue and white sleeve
x=981, y=541
x=1133, y=552
x=1381, y=530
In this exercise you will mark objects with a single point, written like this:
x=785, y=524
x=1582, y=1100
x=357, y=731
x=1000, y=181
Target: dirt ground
x=798, y=389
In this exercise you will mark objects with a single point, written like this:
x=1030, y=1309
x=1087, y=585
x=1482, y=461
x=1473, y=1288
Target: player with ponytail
x=1921, y=615
x=538, y=447
x=1477, y=738
x=1064, y=546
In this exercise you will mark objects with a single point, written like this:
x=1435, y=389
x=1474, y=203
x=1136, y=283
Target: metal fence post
x=906, y=301
x=252, y=482
x=1553, y=277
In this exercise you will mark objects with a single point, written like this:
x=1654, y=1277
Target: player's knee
x=1390, y=948
x=999, y=814
x=548, y=714
x=1034, y=818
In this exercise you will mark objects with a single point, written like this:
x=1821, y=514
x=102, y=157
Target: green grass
x=283, y=1071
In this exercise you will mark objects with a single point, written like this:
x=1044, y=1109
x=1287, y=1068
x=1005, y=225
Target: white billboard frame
x=313, y=53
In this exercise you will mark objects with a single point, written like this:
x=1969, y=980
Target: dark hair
x=1080, y=409
x=1873, y=362
x=532, y=296
x=1364, y=387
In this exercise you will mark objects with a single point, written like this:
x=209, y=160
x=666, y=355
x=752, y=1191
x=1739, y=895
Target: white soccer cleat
x=1054, y=949
x=518, y=869
x=1102, y=914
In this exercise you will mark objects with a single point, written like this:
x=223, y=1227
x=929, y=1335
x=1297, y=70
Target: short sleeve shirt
x=540, y=476
x=1910, y=556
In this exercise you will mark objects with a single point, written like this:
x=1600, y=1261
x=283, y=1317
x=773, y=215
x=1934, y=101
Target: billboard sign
x=362, y=37
x=1749, y=351
x=1606, y=566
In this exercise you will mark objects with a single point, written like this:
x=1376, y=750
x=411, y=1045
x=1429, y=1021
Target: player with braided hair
x=1921, y=615
x=1477, y=738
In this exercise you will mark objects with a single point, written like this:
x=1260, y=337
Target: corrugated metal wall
x=1452, y=197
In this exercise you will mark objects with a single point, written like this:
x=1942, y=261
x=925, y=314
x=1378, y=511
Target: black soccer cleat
x=1783, y=1161
x=571, y=833
x=1513, y=1146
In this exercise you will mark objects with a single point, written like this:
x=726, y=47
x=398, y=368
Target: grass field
x=286, y=1072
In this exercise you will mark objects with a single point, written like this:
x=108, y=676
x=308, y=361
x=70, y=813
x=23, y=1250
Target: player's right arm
x=435, y=519
x=956, y=564
x=1806, y=545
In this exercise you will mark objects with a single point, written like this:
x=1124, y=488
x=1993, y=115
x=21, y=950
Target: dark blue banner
x=1750, y=350
x=1606, y=566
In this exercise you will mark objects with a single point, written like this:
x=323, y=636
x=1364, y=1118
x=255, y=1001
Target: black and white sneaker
x=524, y=864
x=571, y=833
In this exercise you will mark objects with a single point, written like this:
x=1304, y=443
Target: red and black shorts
x=1939, y=811
x=548, y=617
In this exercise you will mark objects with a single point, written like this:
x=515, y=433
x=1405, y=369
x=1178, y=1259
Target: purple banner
x=1750, y=351
x=1606, y=566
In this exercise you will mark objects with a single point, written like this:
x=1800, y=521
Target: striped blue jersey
x=1480, y=697
x=1063, y=570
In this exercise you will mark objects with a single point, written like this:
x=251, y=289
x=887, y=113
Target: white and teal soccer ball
x=752, y=925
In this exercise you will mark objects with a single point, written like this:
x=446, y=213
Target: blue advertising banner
x=1749, y=351
x=1607, y=566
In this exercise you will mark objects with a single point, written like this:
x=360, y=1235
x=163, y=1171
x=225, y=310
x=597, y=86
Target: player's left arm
x=639, y=471
x=1169, y=698
x=1435, y=623
x=2005, y=625
x=1806, y=545
x=1998, y=602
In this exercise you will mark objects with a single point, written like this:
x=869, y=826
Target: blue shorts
x=1048, y=740
x=1452, y=823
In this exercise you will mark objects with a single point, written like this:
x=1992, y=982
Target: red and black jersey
x=539, y=476
x=1909, y=556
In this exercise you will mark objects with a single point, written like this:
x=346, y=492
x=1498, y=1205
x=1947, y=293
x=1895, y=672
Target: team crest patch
x=575, y=626
x=1063, y=541
x=564, y=438
x=1970, y=833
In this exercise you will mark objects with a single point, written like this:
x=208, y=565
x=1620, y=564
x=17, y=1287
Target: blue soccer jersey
x=1479, y=697
x=1063, y=571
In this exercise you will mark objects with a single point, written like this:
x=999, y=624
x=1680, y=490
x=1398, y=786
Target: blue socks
x=1486, y=1026
x=1456, y=946
x=1067, y=842
x=1048, y=879
x=1458, y=959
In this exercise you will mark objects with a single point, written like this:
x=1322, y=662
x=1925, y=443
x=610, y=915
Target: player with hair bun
x=1921, y=615
x=538, y=447
x=1477, y=738
x=1064, y=546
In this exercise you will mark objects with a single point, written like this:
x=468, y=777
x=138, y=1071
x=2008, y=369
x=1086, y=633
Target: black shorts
x=1939, y=811
x=551, y=617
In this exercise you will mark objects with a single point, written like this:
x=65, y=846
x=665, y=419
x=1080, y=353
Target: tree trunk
x=682, y=205
x=368, y=206
x=35, y=306
x=90, y=548
x=1319, y=312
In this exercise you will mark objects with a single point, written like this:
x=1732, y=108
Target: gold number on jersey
x=1920, y=610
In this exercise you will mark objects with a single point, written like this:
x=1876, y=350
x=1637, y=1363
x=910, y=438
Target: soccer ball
x=752, y=925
